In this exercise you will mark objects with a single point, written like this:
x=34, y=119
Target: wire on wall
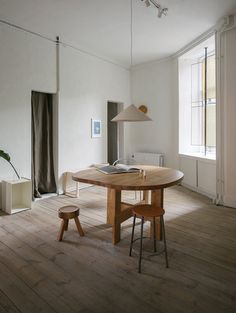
x=58, y=42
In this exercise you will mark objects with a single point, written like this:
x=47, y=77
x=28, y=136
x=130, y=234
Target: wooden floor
x=89, y=274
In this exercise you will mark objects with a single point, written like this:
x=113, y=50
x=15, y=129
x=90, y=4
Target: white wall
x=155, y=85
x=86, y=84
x=28, y=62
x=229, y=115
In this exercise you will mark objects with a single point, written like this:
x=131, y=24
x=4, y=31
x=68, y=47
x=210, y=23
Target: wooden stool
x=66, y=213
x=147, y=211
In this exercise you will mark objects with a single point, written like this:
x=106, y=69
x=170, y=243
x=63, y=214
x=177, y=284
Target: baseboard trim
x=202, y=192
x=229, y=201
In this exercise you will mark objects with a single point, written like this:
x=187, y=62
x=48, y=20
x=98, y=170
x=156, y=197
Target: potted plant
x=6, y=157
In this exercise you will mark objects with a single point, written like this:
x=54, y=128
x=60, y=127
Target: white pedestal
x=16, y=195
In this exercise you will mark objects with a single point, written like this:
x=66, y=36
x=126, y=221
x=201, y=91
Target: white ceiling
x=102, y=27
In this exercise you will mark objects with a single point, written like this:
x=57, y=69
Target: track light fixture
x=161, y=10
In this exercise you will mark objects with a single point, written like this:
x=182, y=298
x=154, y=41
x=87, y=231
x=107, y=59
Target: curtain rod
x=61, y=42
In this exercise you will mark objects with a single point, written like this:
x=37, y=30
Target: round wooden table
x=157, y=178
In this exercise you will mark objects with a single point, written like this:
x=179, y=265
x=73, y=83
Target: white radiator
x=149, y=158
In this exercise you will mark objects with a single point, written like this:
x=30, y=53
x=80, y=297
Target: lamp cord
x=131, y=33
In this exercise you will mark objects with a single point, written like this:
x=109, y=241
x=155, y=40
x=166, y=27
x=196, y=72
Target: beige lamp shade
x=131, y=114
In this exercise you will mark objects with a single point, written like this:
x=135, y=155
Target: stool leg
x=66, y=224
x=164, y=237
x=80, y=230
x=132, y=236
x=61, y=232
x=141, y=246
x=154, y=235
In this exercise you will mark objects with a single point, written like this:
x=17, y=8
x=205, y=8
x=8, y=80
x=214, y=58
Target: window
x=197, y=101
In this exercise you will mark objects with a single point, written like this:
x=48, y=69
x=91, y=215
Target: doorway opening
x=115, y=133
x=42, y=148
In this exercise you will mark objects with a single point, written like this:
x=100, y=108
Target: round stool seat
x=147, y=210
x=68, y=212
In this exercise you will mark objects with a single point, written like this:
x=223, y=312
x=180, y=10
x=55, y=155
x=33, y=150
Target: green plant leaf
x=5, y=156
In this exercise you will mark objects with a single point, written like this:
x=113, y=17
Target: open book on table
x=118, y=168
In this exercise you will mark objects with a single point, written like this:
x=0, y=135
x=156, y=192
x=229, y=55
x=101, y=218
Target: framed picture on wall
x=96, y=130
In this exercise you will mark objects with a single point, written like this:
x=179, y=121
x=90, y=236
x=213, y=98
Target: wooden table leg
x=157, y=200
x=77, y=190
x=146, y=196
x=157, y=197
x=113, y=213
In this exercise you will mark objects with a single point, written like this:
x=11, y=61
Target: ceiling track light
x=161, y=10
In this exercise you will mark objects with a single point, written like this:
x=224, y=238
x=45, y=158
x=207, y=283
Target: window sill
x=201, y=156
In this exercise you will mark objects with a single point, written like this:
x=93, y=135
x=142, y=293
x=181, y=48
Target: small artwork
x=96, y=128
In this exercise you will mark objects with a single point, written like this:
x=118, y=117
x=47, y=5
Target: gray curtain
x=43, y=178
x=112, y=148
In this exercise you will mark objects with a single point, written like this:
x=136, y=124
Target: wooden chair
x=66, y=213
x=67, y=179
x=148, y=212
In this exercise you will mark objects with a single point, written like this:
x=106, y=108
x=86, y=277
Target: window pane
x=211, y=101
x=197, y=115
x=211, y=74
x=211, y=77
x=197, y=126
x=196, y=83
x=211, y=125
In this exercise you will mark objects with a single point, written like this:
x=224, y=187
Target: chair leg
x=154, y=235
x=132, y=236
x=61, y=231
x=141, y=246
x=80, y=230
x=164, y=237
x=160, y=231
x=66, y=224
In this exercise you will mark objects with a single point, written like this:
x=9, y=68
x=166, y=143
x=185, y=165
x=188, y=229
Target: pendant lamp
x=131, y=113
